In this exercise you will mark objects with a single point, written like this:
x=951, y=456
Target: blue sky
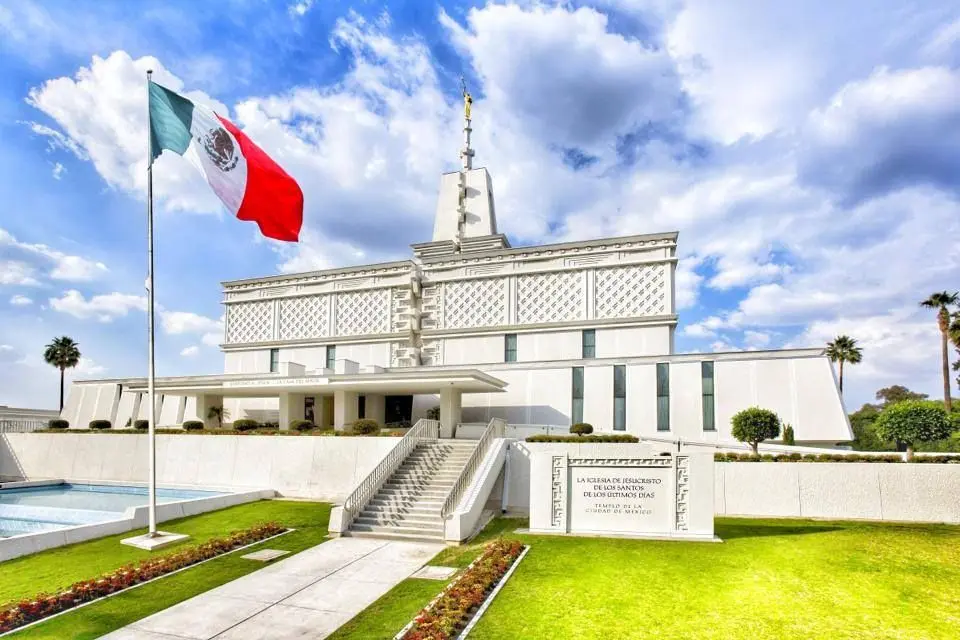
x=807, y=152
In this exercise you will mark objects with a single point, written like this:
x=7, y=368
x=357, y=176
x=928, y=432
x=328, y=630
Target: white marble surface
x=308, y=595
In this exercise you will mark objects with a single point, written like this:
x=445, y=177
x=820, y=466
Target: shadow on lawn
x=732, y=531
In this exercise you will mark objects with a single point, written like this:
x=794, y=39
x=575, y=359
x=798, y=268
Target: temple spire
x=466, y=154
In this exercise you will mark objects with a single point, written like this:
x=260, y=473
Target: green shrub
x=602, y=437
x=754, y=425
x=245, y=424
x=302, y=425
x=364, y=427
x=141, y=424
x=788, y=437
x=58, y=423
x=433, y=413
x=100, y=424
x=582, y=429
x=193, y=425
x=913, y=421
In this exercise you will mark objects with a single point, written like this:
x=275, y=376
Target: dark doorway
x=308, y=404
x=398, y=410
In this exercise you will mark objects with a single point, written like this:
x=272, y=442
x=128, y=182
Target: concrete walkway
x=308, y=595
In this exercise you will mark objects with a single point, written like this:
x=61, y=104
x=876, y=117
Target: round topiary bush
x=245, y=424
x=100, y=424
x=143, y=425
x=193, y=425
x=582, y=429
x=302, y=425
x=913, y=421
x=754, y=425
x=58, y=423
x=365, y=427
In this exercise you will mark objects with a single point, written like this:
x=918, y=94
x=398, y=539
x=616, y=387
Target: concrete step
x=418, y=489
x=423, y=476
x=411, y=492
x=389, y=520
x=429, y=532
x=402, y=511
x=413, y=502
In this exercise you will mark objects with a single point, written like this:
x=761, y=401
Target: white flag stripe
x=229, y=180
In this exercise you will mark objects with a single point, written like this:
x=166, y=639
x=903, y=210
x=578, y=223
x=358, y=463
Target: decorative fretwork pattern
x=362, y=312
x=474, y=303
x=683, y=489
x=558, y=493
x=249, y=322
x=304, y=317
x=550, y=297
x=626, y=292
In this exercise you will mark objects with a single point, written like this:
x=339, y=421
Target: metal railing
x=369, y=486
x=494, y=430
x=26, y=425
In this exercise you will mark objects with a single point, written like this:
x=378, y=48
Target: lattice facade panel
x=304, y=317
x=474, y=303
x=249, y=322
x=551, y=297
x=626, y=292
x=363, y=312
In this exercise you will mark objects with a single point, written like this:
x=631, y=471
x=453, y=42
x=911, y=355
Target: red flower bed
x=43, y=605
x=446, y=616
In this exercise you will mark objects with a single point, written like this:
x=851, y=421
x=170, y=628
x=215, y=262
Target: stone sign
x=667, y=495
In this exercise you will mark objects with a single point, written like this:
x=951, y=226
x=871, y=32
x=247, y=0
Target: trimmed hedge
x=143, y=425
x=830, y=457
x=192, y=425
x=365, y=427
x=302, y=425
x=100, y=424
x=58, y=423
x=581, y=429
x=600, y=437
x=245, y=424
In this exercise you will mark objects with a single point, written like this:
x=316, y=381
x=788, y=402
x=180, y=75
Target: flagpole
x=151, y=430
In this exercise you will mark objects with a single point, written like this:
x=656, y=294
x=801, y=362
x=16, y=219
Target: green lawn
x=768, y=579
x=57, y=568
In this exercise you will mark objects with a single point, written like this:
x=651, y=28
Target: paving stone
x=435, y=573
x=265, y=555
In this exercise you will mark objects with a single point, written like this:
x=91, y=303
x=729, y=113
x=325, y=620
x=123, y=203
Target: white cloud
x=104, y=308
x=66, y=267
x=20, y=301
x=212, y=339
x=300, y=7
x=58, y=171
x=87, y=367
x=189, y=352
x=14, y=272
x=756, y=339
x=698, y=330
x=9, y=354
x=180, y=322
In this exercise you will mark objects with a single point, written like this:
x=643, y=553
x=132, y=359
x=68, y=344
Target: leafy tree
x=63, y=353
x=844, y=349
x=898, y=393
x=913, y=421
x=219, y=412
x=955, y=339
x=942, y=301
x=788, y=437
x=864, y=430
x=581, y=429
x=754, y=425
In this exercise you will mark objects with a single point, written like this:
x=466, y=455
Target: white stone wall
x=832, y=490
x=318, y=467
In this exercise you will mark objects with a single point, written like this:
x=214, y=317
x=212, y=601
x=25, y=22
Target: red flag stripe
x=272, y=198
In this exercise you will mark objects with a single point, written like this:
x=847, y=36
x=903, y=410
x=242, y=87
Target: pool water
x=33, y=509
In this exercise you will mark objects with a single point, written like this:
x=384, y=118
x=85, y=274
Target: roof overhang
x=387, y=382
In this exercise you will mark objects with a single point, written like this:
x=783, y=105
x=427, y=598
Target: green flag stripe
x=170, y=118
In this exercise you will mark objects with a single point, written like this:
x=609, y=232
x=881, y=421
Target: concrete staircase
x=408, y=505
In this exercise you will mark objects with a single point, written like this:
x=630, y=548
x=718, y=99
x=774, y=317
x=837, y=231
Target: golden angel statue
x=467, y=98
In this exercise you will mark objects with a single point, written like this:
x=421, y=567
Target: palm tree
x=942, y=301
x=220, y=413
x=63, y=353
x=844, y=349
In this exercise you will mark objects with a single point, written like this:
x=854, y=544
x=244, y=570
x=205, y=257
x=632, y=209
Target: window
x=589, y=343
x=274, y=360
x=619, y=397
x=663, y=396
x=709, y=415
x=510, y=347
x=331, y=357
x=577, y=412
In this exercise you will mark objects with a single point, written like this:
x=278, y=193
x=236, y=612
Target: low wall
x=318, y=467
x=837, y=490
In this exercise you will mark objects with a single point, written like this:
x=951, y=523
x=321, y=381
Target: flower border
x=41, y=607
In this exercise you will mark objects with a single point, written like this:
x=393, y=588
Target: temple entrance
x=398, y=410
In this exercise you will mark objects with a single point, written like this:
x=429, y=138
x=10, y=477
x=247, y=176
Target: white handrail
x=21, y=425
x=369, y=486
x=494, y=430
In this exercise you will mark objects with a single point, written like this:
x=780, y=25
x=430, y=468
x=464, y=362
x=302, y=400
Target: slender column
x=152, y=489
x=345, y=408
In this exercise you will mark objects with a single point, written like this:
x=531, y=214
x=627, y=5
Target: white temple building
x=547, y=335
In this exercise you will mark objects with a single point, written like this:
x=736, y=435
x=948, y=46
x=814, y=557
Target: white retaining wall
x=317, y=467
x=837, y=490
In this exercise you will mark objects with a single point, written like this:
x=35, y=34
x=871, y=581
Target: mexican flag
x=248, y=182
